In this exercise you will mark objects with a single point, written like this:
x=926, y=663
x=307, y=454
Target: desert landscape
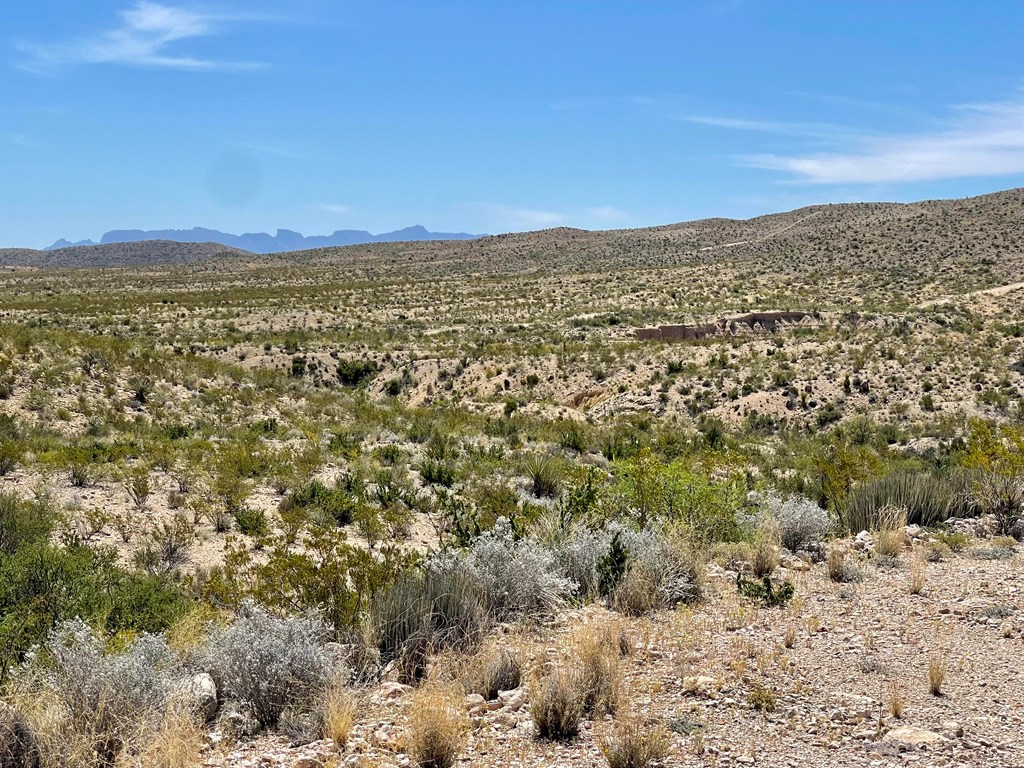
x=724, y=492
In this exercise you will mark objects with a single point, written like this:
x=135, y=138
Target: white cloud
x=606, y=214
x=978, y=140
x=512, y=218
x=335, y=208
x=495, y=217
x=21, y=140
x=815, y=130
x=146, y=32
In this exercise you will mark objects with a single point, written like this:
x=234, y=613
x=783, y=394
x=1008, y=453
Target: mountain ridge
x=282, y=240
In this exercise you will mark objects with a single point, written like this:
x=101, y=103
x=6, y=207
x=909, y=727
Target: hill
x=142, y=254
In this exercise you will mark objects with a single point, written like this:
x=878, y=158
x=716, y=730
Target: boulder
x=913, y=736
x=202, y=694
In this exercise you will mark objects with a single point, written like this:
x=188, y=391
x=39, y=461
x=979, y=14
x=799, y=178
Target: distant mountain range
x=261, y=242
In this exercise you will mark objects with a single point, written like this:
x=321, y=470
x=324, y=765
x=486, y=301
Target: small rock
x=393, y=690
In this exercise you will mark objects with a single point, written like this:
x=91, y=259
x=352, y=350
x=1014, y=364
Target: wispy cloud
x=826, y=131
x=977, y=140
x=147, y=36
x=271, y=149
x=606, y=214
x=496, y=217
x=335, y=208
x=21, y=140
x=511, y=217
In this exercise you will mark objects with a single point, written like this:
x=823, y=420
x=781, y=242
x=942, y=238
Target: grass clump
x=491, y=670
x=635, y=743
x=597, y=670
x=437, y=727
x=556, y=707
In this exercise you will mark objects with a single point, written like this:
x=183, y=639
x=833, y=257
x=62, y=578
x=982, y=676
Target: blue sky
x=486, y=117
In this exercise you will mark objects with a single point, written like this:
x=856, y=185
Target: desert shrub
x=110, y=700
x=1001, y=496
x=635, y=743
x=927, y=498
x=513, y=578
x=355, y=373
x=999, y=548
x=42, y=585
x=251, y=521
x=936, y=551
x=437, y=727
x=437, y=472
x=22, y=522
x=11, y=453
x=765, y=590
x=762, y=698
x=166, y=546
x=611, y=566
x=492, y=669
x=328, y=504
x=957, y=542
x=269, y=663
x=390, y=454
x=579, y=554
x=327, y=575
x=555, y=707
x=427, y=611
x=801, y=522
x=662, y=572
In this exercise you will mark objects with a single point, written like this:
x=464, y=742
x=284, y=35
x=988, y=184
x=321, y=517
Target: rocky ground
x=813, y=683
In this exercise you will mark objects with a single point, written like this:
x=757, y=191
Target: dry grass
x=918, y=569
x=339, y=714
x=897, y=703
x=936, y=673
x=635, y=743
x=556, y=707
x=764, y=557
x=437, y=726
x=492, y=669
x=889, y=538
x=177, y=744
x=789, y=638
x=596, y=652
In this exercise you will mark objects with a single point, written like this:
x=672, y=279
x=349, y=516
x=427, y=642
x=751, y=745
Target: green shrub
x=355, y=373
x=251, y=521
x=333, y=504
x=928, y=500
x=765, y=590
